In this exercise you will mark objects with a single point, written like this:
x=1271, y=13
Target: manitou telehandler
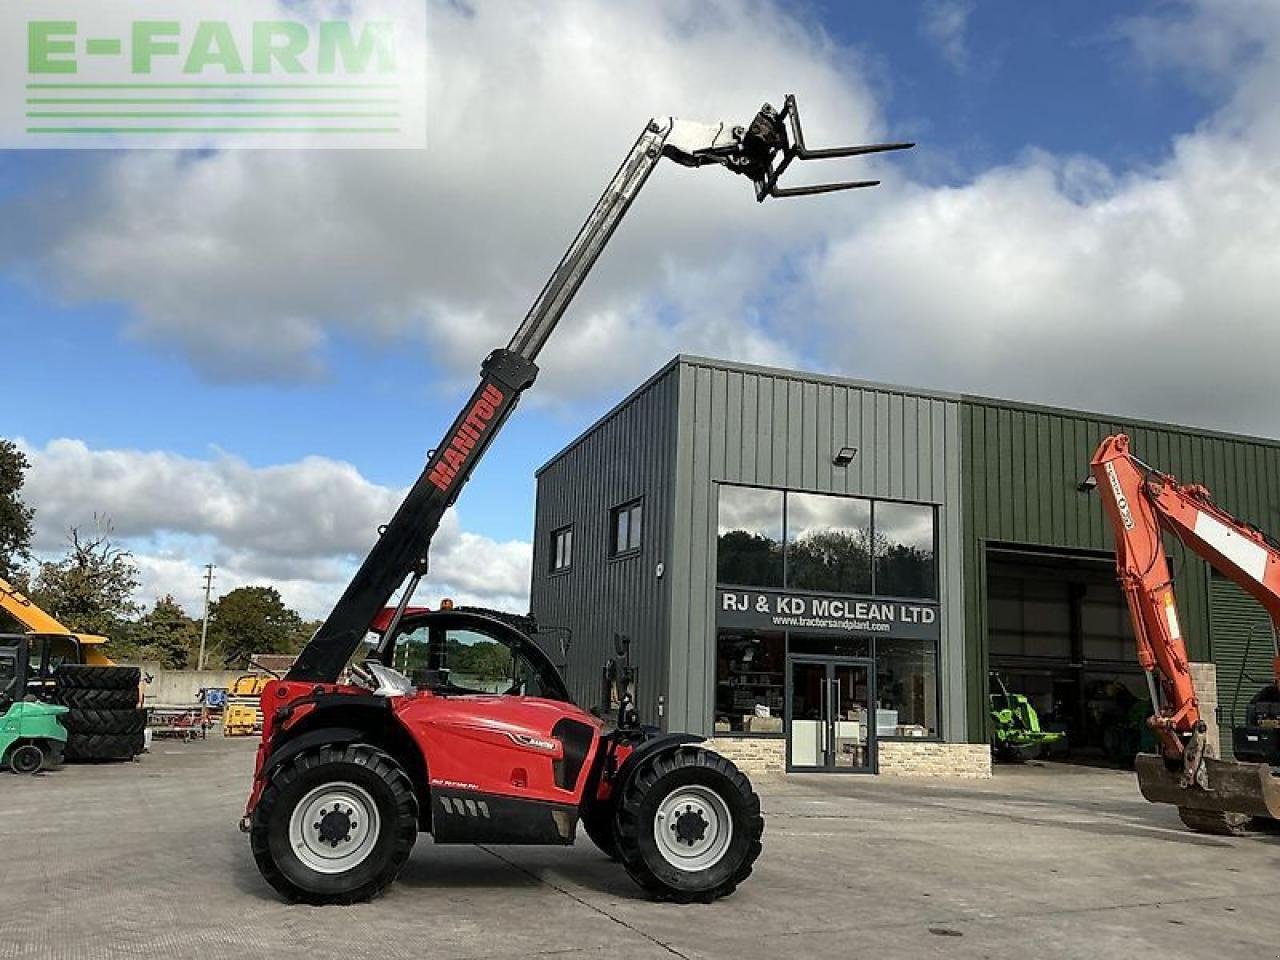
x=1212, y=795
x=482, y=743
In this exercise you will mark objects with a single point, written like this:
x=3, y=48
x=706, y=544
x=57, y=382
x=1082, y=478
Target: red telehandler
x=1142, y=503
x=481, y=743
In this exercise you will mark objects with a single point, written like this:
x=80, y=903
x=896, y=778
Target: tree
x=166, y=635
x=15, y=516
x=91, y=588
x=251, y=620
x=835, y=560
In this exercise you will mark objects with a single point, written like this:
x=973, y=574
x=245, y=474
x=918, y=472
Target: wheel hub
x=334, y=827
x=693, y=828
x=690, y=826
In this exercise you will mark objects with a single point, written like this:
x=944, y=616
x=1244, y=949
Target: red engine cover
x=517, y=747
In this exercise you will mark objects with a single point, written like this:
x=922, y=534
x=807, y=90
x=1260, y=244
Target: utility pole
x=204, y=621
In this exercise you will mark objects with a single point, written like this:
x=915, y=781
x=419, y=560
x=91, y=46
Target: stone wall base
x=752, y=754
x=897, y=758
x=927, y=759
x=1205, y=678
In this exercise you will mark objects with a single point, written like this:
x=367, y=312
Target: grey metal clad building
x=820, y=572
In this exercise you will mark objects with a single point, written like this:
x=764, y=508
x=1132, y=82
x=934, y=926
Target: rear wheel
x=26, y=758
x=335, y=825
x=1211, y=821
x=688, y=826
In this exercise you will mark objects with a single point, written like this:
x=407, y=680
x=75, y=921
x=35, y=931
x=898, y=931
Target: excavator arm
x=1142, y=504
x=761, y=152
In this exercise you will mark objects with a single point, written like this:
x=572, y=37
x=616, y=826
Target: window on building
x=828, y=543
x=750, y=673
x=904, y=540
x=626, y=522
x=561, y=549
x=906, y=689
x=749, y=548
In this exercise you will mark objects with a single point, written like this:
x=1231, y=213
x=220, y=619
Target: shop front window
x=749, y=548
x=750, y=672
x=906, y=689
x=828, y=543
x=904, y=551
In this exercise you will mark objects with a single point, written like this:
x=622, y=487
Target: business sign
x=212, y=74
x=824, y=614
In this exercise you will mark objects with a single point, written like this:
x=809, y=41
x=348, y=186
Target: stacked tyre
x=103, y=719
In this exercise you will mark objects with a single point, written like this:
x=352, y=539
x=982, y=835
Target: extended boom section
x=761, y=151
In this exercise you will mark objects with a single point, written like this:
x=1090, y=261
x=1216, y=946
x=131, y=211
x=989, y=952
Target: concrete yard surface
x=144, y=860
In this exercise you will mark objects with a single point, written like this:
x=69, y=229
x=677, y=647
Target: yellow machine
x=36, y=621
x=242, y=716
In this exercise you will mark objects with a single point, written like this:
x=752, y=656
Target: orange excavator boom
x=1142, y=504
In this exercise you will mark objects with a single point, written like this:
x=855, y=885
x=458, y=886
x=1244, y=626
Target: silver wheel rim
x=334, y=828
x=693, y=828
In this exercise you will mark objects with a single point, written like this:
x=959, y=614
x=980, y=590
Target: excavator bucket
x=1248, y=788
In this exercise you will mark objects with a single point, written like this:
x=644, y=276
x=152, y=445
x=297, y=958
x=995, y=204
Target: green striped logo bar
x=200, y=74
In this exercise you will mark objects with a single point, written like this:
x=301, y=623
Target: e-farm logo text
x=204, y=74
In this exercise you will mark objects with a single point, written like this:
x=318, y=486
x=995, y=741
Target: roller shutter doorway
x=1240, y=640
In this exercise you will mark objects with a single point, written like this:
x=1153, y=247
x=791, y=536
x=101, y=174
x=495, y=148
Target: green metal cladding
x=1020, y=471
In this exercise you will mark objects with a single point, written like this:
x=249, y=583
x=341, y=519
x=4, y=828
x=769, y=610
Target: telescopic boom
x=762, y=152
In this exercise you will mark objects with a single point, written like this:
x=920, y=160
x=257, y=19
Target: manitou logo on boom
x=473, y=427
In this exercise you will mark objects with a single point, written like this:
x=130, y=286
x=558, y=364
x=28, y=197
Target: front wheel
x=335, y=825
x=688, y=826
x=26, y=758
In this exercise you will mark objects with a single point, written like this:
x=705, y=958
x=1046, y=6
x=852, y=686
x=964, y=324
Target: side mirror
x=622, y=645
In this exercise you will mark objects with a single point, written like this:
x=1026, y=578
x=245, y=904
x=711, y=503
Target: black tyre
x=1219, y=824
x=74, y=676
x=103, y=746
x=335, y=824
x=598, y=822
x=688, y=826
x=81, y=720
x=26, y=758
x=97, y=699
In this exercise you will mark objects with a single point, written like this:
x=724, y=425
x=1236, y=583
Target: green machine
x=1015, y=726
x=31, y=737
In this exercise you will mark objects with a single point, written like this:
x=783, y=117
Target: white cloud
x=1057, y=279
x=248, y=262
x=945, y=24
x=300, y=526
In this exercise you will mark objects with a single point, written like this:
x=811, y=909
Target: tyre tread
x=79, y=676
x=382, y=765
x=629, y=826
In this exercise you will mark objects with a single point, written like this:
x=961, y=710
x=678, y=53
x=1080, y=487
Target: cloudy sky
x=242, y=357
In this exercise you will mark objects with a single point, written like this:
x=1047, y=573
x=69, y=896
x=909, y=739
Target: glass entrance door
x=829, y=715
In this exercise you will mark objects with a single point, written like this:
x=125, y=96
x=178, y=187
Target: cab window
x=462, y=661
x=8, y=675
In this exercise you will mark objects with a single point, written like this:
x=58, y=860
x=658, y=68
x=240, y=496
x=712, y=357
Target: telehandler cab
x=357, y=758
